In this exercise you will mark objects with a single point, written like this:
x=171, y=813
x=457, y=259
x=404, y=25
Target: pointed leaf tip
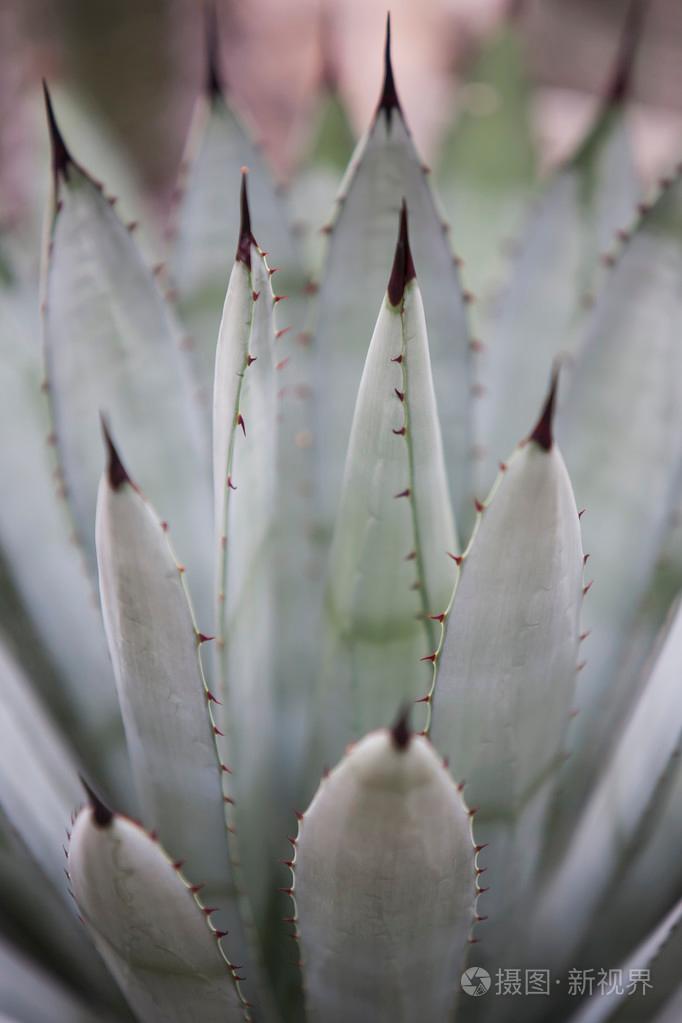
x=543, y=434
x=101, y=813
x=116, y=470
x=403, y=267
x=61, y=157
x=389, y=97
x=400, y=732
x=631, y=33
x=214, y=85
x=246, y=239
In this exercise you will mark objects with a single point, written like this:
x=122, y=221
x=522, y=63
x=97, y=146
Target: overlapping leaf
x=39, y=788
x=617, y=804
x=245, y=449
x=384, y=170
x=384, y=885
x=486, y=170
x=630, y=1002
x=112, y=346
x=166, y=707
x=30, y=995
x=218, y=149
x=543, y=302
x=53, y=605
x=388, y=569
x=148, y=924
x=506, y=672
x=626, y=397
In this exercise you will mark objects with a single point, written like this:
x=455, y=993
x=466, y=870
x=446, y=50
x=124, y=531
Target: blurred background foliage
x=136, y=66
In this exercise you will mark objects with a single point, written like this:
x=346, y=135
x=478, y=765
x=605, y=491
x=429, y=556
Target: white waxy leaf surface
x=263, y=547
x=617, y=804
x=208, y=222
x=388, y=568
x=167, y=710
x=148, y=925
x=37, y=911
x=245, y=459
x=486, y=168
x=39, y=785
x=112, y=346
x=537, y=314
x=384, y=886
x=49, y=575
x=39, y=789
x=620, y=428
x=384, y=170
x=506, y=671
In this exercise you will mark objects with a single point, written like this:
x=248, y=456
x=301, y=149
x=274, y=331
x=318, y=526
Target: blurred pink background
x=140, y=63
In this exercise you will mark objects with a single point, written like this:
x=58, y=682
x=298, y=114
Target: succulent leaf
x=30, y=995
x=626, y=397
x=149, y=926
x=505, y=675
x=112, y=345
x=37, y=793
x=245, y=446
x=384, y=885
x=630, y=1007
x=486, y=170
x=218, y=149
x=39, y=787
x=618, y=801
x=34, y=914
x=543, y=303
x=388, y=569
x=55, y=596
x=167, y=709
x=512, y=631
x=384, y=170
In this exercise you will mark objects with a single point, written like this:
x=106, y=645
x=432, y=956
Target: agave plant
x=422, y=650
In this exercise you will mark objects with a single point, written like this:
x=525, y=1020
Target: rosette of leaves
x=430, y=651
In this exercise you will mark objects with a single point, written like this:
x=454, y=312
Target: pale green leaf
x=245, y=461
x=44, y=565
x=148, y=925
x=616, y=805
x=37, y=916
x=511, y=635
x=645, y=882
x=388, y=569
x=316, y=183
x=166, y=707
x=621, y=430
x=384, y=170
x=542, y=303
x=112, y=346
x=486, y=168
x=207, y=228
x=506, y=670
x=384, y=886
x=39, y=776
x=39, y=789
